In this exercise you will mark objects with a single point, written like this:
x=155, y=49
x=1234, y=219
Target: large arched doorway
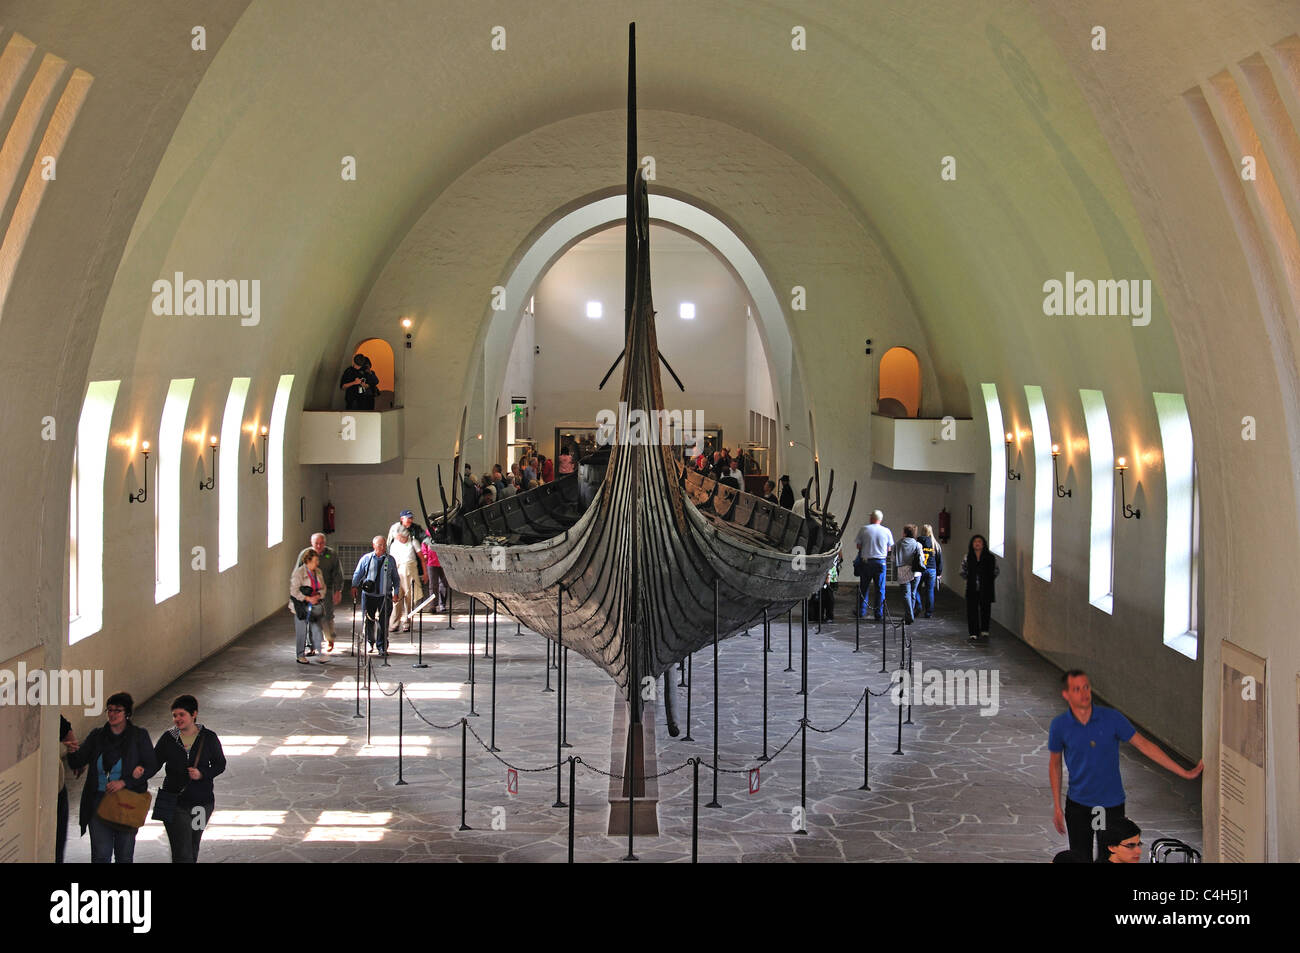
x=771, y=330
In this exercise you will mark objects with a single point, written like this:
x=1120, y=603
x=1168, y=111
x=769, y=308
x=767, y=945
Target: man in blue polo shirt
x=1089, y=737
x=875, y=542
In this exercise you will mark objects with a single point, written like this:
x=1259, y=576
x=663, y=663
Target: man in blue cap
x=418, y=536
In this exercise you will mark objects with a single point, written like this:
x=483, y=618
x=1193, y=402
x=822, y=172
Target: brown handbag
x=123, y=807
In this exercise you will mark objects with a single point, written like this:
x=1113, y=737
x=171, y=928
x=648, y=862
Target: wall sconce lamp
x=142, y=495
x=261, y=467
x=1129, y=512
x=1011, y=474
x=1061, y=491
x=406, y=326
x=210, y=482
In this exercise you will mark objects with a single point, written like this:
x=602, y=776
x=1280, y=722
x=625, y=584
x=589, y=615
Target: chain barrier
x=375, y=681
x=827, y=731
x=419, y=714
x=549, y=767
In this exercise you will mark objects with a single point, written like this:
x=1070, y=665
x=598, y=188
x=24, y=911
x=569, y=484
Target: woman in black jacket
x=979, y=568
x=192, y=757
x=119, y=755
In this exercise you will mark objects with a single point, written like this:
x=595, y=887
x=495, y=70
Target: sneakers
x=981, y=639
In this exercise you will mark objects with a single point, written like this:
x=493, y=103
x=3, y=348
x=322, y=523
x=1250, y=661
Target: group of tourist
x=730, y=470
x=532, y=469
x=384, y=582
x=119, y=759
x=918, y=558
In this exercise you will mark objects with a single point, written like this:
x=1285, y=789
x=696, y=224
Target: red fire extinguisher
x=945, y=525
x=329, y=517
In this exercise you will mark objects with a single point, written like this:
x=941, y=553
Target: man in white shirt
x=874, y=544
x=406, y=553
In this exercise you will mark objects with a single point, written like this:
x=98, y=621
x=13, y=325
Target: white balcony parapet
x=937, y=445
x=350, y=436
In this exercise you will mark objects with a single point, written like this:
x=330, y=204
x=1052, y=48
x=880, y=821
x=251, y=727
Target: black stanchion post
x=681, y=670
x=803, y=649
x=803, y=724
x=464, y=727
x=766, y=633
x=857, y=632
x=358, y=658
x=493, y=746
x=368, y=677
x=449, y=625
x=898, y=700
x=789, y=640
x=559, y=697
x=473, y=678
x=401, y=697
x=469, y=662
x=695, y=810
x=548, y=687
x=884, y=637
x=419, y=626
x=866, y=738
x=494, y=611
x=572, y=801
x=911, y=671
x=803, y=774
x=690, y=682
x=717, y=594
x=564, y=694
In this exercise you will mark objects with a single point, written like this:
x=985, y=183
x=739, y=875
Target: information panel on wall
x=20, y=743
x=1243, y=708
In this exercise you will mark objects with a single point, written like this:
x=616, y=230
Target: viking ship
x=635, y=561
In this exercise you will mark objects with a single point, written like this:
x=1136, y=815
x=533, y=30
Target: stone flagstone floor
x=304, y=785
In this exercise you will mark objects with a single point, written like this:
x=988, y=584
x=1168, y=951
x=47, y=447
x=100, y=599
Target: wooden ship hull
x=630, y=568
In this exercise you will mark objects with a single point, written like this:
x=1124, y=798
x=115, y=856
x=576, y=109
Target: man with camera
x=376, y=578
x=360, y=384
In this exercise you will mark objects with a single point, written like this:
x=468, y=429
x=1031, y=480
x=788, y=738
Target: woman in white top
x=306, y=593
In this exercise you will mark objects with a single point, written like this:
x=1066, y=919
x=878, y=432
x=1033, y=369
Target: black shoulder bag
x=164, y=805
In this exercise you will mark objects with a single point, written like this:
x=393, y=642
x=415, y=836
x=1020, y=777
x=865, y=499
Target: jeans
x=909, y=599
x=375, y=609
x=926, y=591
x=182, y=834
x=307, y=631
x=875, y=578
x=1078, y=826
x=109, y=843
